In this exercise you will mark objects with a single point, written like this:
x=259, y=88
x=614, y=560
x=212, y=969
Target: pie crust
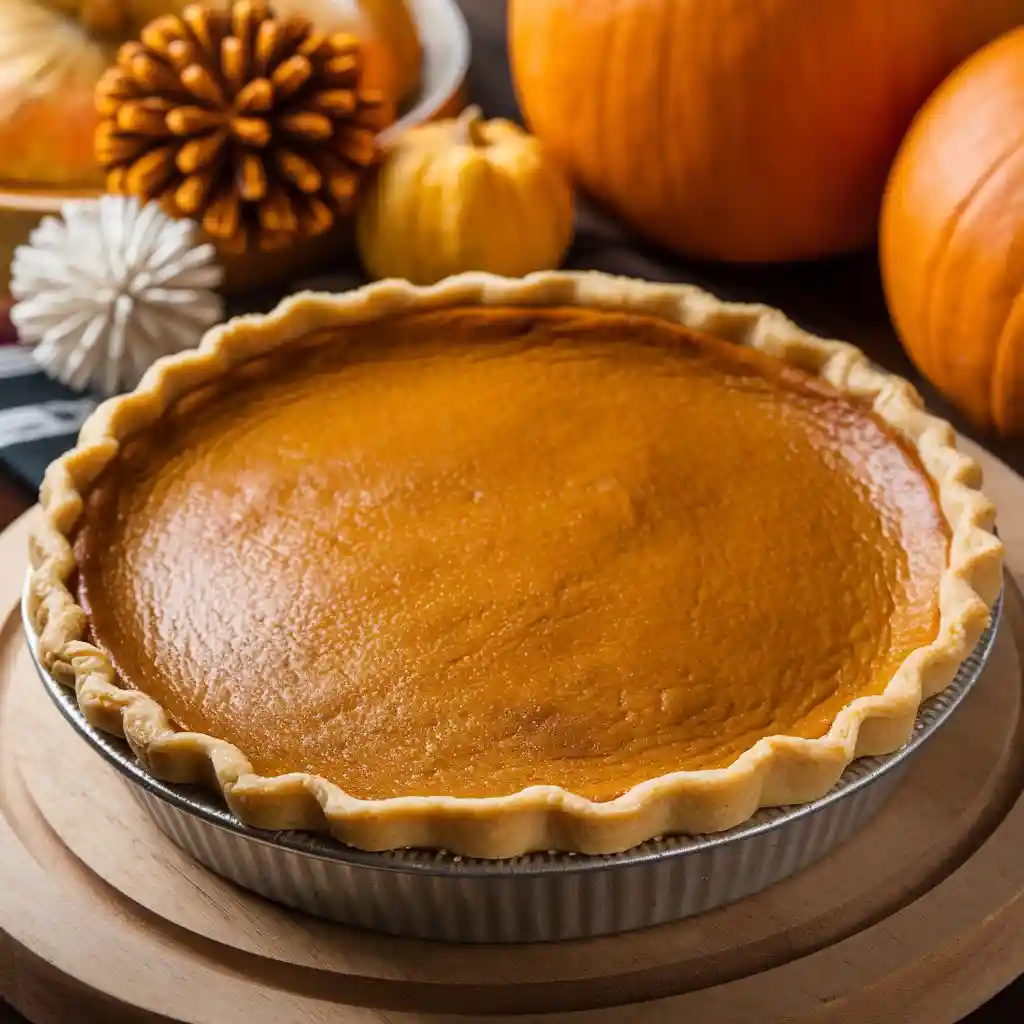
x=776, y=770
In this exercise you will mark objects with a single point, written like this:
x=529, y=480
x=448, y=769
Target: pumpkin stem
x=469, y=126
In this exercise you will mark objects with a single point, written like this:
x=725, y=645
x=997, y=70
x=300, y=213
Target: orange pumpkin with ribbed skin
x=952, y=237
x=739, y=129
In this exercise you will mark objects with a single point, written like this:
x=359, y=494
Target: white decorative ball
x=109, y=288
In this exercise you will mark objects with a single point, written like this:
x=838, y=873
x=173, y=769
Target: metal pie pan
x=539, y=897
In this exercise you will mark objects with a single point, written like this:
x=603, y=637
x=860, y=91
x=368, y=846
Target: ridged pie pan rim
x=118, y=754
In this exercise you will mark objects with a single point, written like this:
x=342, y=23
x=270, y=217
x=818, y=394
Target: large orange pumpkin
x=739, y=129
x=391, y=43
x=952, y=237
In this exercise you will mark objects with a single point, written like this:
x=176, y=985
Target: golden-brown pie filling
x=471, y=551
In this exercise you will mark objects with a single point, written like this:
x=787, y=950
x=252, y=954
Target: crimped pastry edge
x=776, y=770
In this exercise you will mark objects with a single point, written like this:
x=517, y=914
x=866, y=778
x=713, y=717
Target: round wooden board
x=916, y=918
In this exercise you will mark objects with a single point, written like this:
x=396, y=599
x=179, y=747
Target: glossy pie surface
x=468, y=551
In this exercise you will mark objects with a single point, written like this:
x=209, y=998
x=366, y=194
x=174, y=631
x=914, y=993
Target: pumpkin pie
x=498, y=566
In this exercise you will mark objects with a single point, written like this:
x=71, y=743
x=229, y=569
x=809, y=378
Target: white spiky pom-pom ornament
x=105, y=291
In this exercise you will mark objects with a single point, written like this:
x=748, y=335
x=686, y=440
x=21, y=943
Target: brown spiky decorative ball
x=253, y=125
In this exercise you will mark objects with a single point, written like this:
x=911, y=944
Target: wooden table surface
x=840, y=298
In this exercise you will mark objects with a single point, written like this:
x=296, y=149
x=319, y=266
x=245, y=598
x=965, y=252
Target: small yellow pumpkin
x=465, y=194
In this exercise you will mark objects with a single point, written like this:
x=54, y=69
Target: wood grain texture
x=954, y=799
x=918, y=918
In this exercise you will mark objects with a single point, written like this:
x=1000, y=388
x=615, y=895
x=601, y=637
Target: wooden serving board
x=919, y=917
